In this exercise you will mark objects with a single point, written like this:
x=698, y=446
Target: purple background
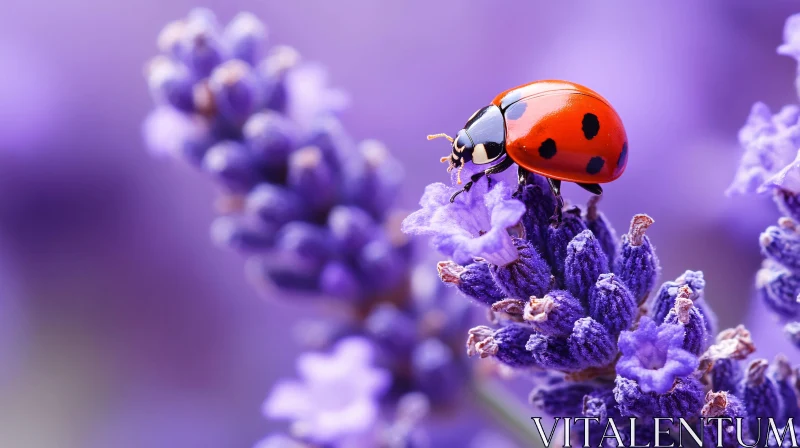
x=130, y=329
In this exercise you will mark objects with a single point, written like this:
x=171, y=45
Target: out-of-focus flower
x=654, y=356
x=311, y=209
x=337, y=394
x=771, y=162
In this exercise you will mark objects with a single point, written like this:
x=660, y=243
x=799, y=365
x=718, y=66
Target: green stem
x=503, y=406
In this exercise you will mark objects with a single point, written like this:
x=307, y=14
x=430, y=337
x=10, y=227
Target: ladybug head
x=462, y=149
x=486, y=133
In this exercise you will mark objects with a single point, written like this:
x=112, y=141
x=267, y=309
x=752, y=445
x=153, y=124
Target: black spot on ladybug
x=595, y=165
x=516, y=110
x=591, y=126
x=623, y=156
x=548, y=148
x=510, y=99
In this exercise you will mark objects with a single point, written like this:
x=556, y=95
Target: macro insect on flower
x=558, y=129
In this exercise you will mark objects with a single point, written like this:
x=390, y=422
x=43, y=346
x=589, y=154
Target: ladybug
x=558, y=129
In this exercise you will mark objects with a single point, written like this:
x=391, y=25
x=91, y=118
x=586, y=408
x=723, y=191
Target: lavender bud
x=295, y=274
x=382, y=266
x=591, y=343
x=558, y=238
x=539, y=205
x=170, y=83
x=528, y=276
x=637, y=264
x=328, y=134
x=306, y=241
x=632, y=401
x=792, y=330
x=235, y=89
x=611, y=304
x=664, y=301
x=784, y=378
x=552, y=352
x=685, y=314
x=722, y=405
x=273, y=71
x=374, y=179
x=584, y=263
x=435, y=369
x=778, y=288
x=760, y=395
x=200, y=47
x=274, y=205
x=507, y=344
x=555, y=314
x=231, y=164
x=726, y=375
x=242, y=235
x=788, y=203
x=351, y=227
x=564, y=400
x=684, y=400
x=474, y=280
x=393, y=329
x=601, y=228
x=339, y=281
x=271, y=137
x=243, y=36
x=312, y=178
x=782, y=244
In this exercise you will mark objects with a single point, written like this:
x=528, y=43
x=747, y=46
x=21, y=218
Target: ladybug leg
x=522, y=175
x=592, y=188
x=555, y=187
x=498, y=168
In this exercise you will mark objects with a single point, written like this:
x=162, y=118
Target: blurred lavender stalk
x=311, y=211
x=771, y=164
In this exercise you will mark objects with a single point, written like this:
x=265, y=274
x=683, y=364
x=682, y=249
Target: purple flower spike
x=653, y=355
x=336, y=395
x=474, y=280
x=687, y=315
x=611, y=304
x=601, y=228
x=781, y=244
x=472, y=226
x=637, y=264
x=779, y=287
x=591, y=343
x=528, y=276
x=555, y=314
x=584, y=263
x=770, y=144
x=760, y=395
x=507, y=344
x=436, y=370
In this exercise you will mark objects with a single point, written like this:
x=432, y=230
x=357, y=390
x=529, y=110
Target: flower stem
x=503, y=407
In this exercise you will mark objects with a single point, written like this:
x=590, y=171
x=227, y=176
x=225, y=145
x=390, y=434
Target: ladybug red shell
x=558, y=129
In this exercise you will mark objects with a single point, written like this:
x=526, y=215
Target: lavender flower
x=312, y=211
x=337, y=395
x=474, y=225
x=771, y=163
x=654, y=355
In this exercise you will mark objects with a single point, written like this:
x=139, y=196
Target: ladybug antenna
x=431, y=137
x=458, y=174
